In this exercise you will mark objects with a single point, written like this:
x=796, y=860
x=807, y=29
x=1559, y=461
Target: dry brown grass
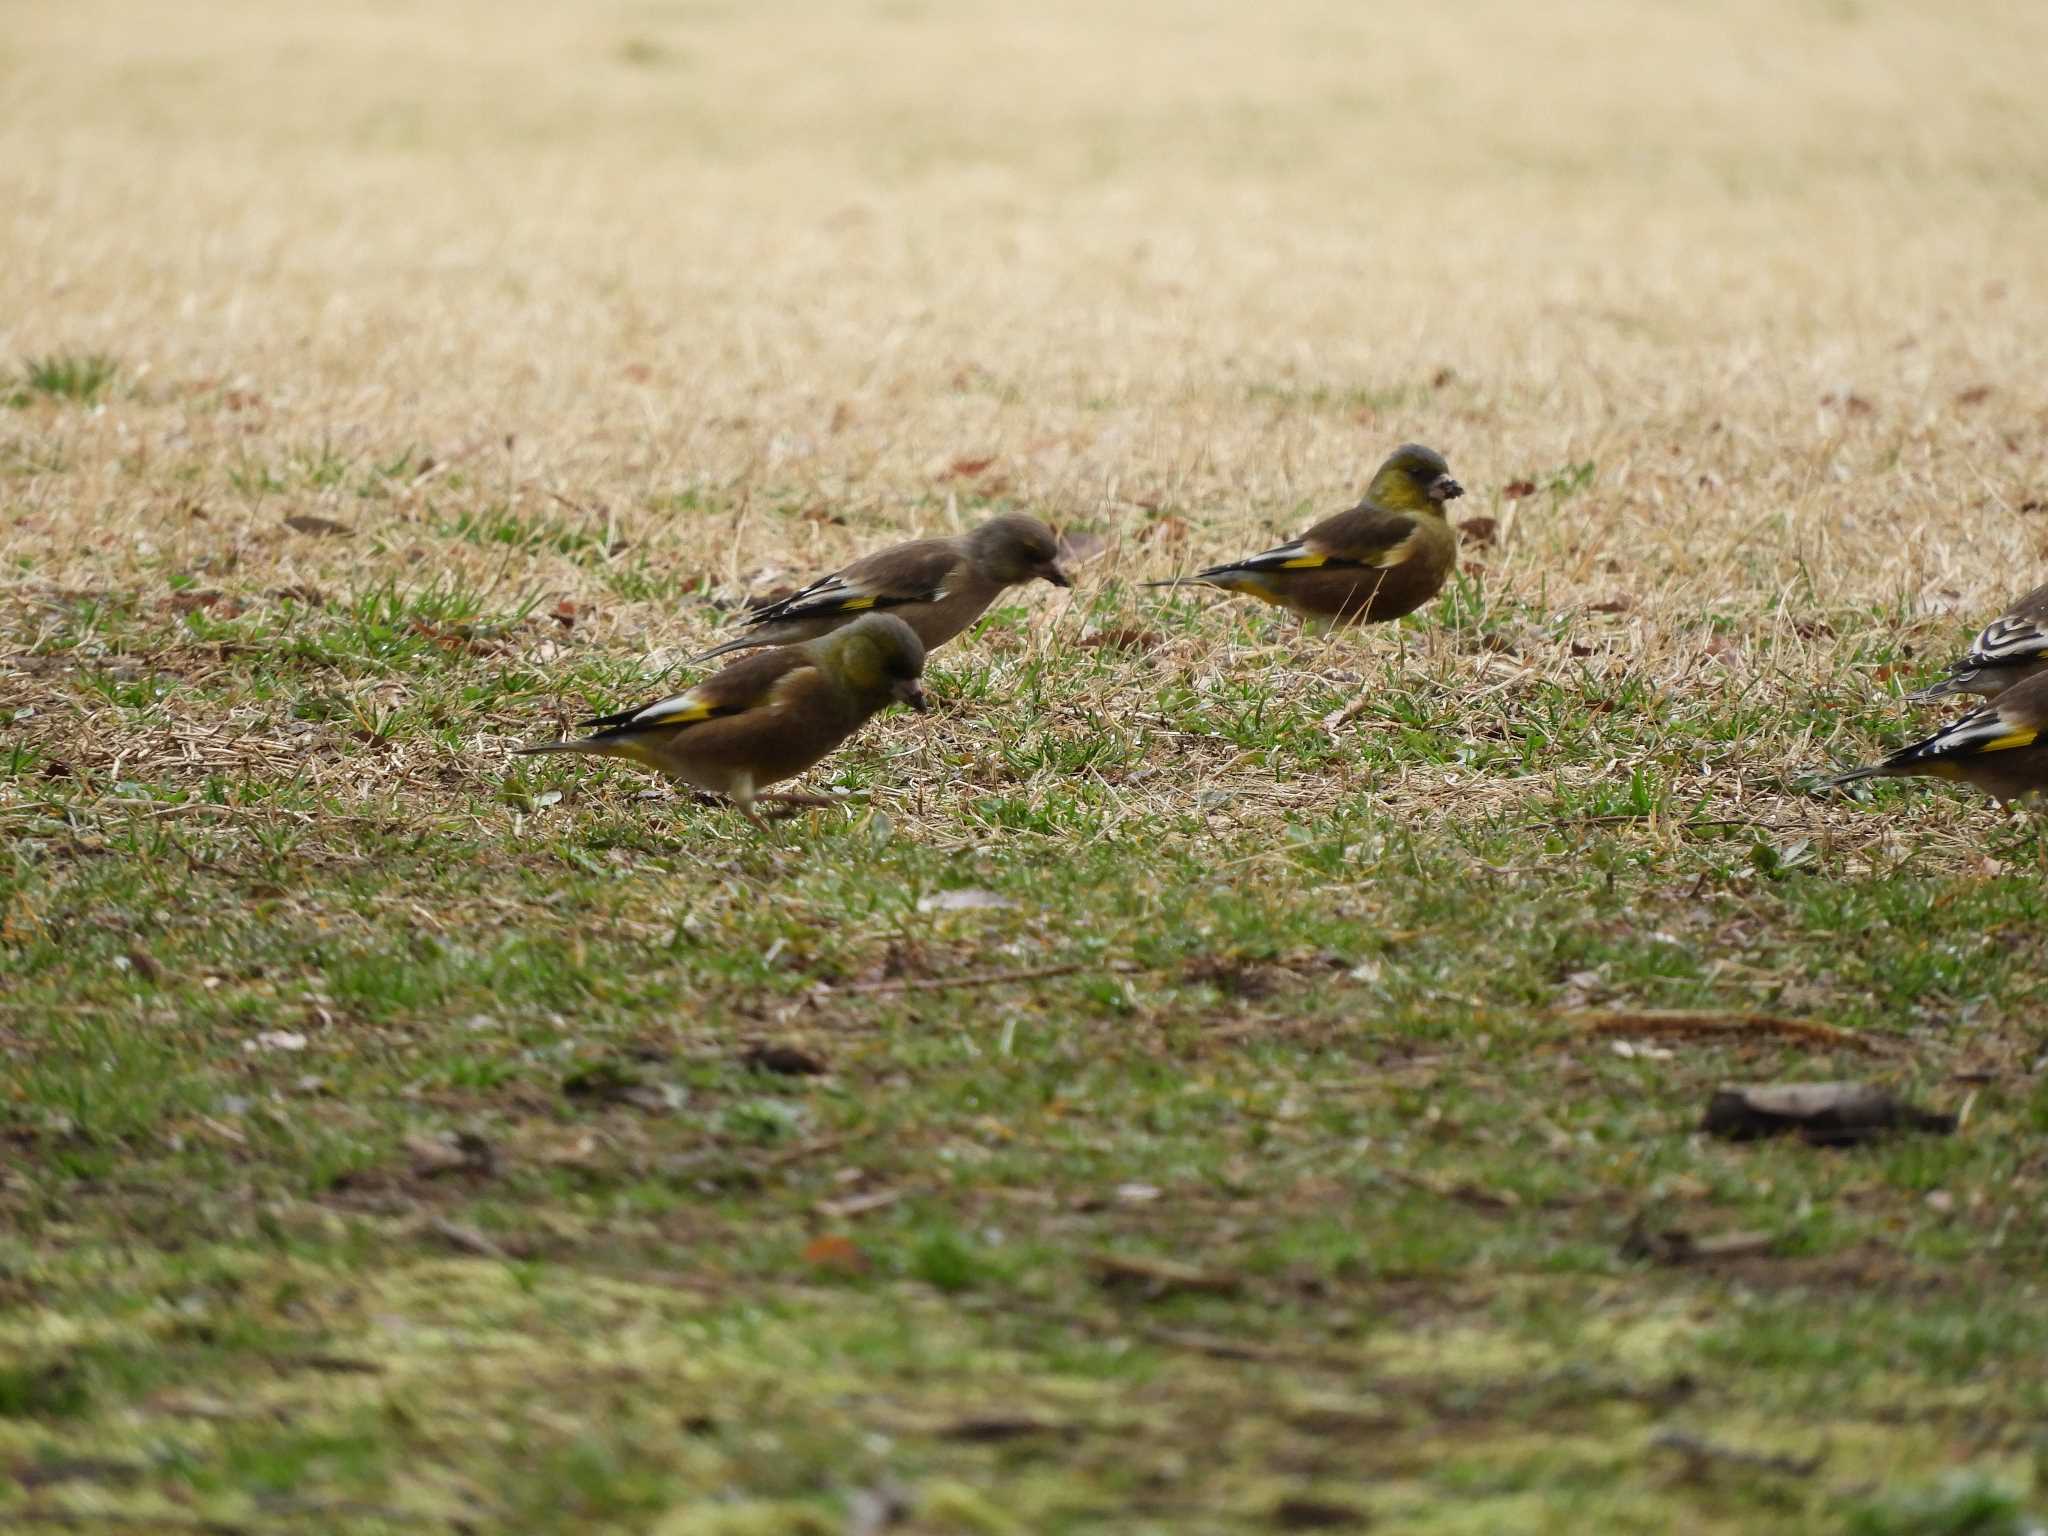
x=664, y=247
x=1753, y=295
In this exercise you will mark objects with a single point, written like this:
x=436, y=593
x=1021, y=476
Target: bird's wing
x=734, y=690
x=1365, y=537
x=1992, y=729
x=906, y=573
x=2006, y=640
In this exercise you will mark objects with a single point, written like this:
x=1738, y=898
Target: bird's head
x=1413, y=479
x=880, y=658
x=1014, y=549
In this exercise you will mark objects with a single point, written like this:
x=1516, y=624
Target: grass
x=77, y=377
x=400, y=1134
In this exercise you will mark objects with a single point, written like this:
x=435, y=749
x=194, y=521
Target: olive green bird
x=937, y=586
x=766, y=718
x=1386, y=556
x=1998, y=749
x=2010, y=649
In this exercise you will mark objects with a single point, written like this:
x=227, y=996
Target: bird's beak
x=1443, y=488
x=1051, y=572
x=910, y=691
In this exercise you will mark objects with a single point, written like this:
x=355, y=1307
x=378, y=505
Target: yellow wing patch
x=686, y=710
x=1394, y=554
x=853, y=603
x=2020, y=738
x=1304, y=562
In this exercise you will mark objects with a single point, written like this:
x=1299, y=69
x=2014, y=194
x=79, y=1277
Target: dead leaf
x=1298, y=1512
x=467, y=1240
x=275, y=1040
x=1235, y=978
x=145, y=966
x=1156, y=1278
x=187, y=602
x=1515, y=490
x=857, y=1205
x=1676, y=1245
x=1827, y=1114
x=461, y=1152
x=614, y=1082
x=967, y=468
x=783, y=1060
x=565, y=614
x=1621, y=602
x=836, y=1253
x=1976, y=394
x=306, y=522
x=1479, y=532
x=998, y=1428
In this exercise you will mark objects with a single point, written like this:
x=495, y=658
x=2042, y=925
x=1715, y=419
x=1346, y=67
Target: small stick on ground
x=971, y=979
x=1699, y=1452
x=1694, y=1024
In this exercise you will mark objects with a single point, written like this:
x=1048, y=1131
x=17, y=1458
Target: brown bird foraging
x=2010, y=649
x=1383, y=558
x=937, y=586
x=1998, y=749
x=768, y=717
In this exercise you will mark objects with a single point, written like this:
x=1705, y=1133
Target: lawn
x=1206, y=1077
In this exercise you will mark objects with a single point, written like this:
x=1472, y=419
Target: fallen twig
x=971, y=979
x=1686, y=1023
x=466, y=1239
x=1625, y=819
x=1698, y=1452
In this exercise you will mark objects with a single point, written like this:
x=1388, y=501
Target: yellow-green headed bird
x=937, y=586
x=768, y=717
x=1999, y=749
x=1387, y=556
x=2010, y=649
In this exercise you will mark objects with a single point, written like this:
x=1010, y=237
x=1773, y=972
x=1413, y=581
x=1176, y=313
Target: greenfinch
x=768, y=717
x=2010, y=649
x=1387, y=556
x=937, y=586
x=1998, y=749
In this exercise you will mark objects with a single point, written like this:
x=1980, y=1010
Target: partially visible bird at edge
x=1998, y=749
x=2010, y=649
